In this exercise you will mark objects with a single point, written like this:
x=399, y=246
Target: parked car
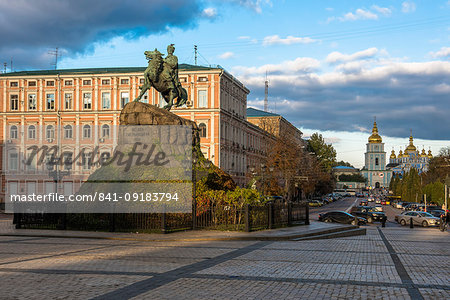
x=419, y=218
x=399, y=205
x=368, y=212
x=315, y=203
x=341, y=217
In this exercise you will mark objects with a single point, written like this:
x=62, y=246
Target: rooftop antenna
x=56, y=54
x=195, y=54
x=266, y=94
x=4, y=66
x=11, y=66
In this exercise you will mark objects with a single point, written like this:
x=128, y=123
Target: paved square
x=388, y=263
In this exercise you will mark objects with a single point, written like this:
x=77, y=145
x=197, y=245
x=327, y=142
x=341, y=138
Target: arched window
x=202, y=128
x=31, y=132
x=105, y=131
x=86, y=132
x=13, y=132
x=49, y=132
x=68, y=132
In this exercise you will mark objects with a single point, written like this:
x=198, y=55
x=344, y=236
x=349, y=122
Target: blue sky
x=332, y=65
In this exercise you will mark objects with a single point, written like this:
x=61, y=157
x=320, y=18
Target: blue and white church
x=375, y=171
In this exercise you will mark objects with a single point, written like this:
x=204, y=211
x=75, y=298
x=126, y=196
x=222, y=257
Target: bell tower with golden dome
x=375, y=161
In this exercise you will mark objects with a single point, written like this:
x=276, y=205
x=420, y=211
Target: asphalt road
x=345, y=204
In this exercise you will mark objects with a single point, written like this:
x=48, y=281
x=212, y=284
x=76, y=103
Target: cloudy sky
x=332, y=65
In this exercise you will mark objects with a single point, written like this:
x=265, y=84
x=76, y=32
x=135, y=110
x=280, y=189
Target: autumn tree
x=325, y=153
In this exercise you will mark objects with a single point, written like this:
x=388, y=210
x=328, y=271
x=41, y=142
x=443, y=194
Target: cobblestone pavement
x=387, y=263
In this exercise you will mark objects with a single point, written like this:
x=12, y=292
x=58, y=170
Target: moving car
x=341, y=217
x=368, y=212
x=315, y=203
x=437, y=212
x=419, y=218
x=364, y=203
x=378, y=207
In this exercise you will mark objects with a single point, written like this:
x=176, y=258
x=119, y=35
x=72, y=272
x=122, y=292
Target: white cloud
x=289, y=40
x=363, y=14
x=227, y=55
x=408, y=7
x=444, y=52
x=209, y=12
x=382, y=10
x=243, y=37
x=335, y=57
x=255, y=5
x=300, y=64
x=362, y=86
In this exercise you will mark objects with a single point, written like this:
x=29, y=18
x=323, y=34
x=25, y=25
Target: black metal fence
x=218, y=217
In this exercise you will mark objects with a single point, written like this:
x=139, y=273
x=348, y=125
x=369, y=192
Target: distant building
x=375, y=170
x=345, y=170
x=410, y=159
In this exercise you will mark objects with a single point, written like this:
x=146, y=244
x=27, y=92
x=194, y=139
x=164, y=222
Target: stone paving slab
x=281, y=269
x=63, y=286
x=200, y=288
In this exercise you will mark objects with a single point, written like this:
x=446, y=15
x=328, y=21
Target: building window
x=142, y=81
x=13, y=84
x=124, y=81
x=50, y=83
x=87, y=82
x=14, y=102
x=202, y=98
x=376, y=161
x=49, y=132
x=68, y=133
x=50, y=101
x=105, y=131
x=13, y=132
x=31, y=83
x=202, y=128
x=202, y=79
x=68, y=83
x=13, y=161
x=31, y=132
x=68, y=101
x=32, y=103
x=67, y=160
x=124, y=98
x=106, y=100
x=87, y=101
x=86, y=132
x=106, y=82
x=87, y=161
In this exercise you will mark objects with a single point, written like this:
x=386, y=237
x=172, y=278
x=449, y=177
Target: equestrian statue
x=162, y=74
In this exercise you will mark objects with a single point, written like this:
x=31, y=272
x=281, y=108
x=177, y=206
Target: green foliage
x=343, y=163
x=435, y=192
x=325, y=153
x=352, y=178
x=409, y=187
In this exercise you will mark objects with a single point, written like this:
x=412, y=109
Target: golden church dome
x=411, y=147
x=375, y=138
x=393, y=154
x=423, y=154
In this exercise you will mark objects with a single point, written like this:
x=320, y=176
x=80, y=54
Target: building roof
x=253, y=112
x=343, y=168
x=181, y=67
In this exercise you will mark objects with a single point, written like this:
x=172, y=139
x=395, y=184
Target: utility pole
x=56, y=54
x=195, y=54
x=11, y=66
x=266, y=94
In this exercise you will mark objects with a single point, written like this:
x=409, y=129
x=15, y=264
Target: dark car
x=437, y=212
x=341, y=217
x=369, y=213
x=364, y=203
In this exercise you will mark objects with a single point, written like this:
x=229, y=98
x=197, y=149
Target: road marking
x=353, y=204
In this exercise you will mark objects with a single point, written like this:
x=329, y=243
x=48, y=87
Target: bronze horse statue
x=160, y=75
